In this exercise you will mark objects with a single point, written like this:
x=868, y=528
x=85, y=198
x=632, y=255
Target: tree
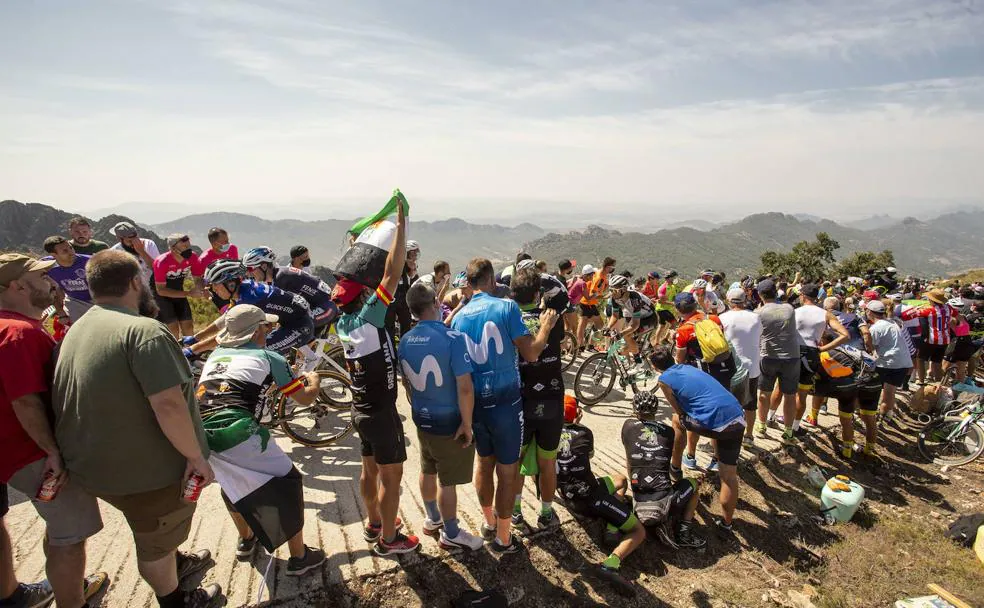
x=812, y=260
x=860, y=263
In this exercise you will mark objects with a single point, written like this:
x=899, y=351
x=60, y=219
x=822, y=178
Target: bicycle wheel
x=936, y=445
x=594, y=379
x=568, y=351
x=321, y=423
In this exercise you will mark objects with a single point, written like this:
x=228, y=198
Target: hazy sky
x=705, y=106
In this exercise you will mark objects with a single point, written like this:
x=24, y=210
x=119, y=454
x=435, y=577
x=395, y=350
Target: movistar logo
x=480, y=352
x=418, y=380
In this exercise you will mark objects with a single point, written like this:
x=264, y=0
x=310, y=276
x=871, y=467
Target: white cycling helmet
x=413, y=245
x=258, y=255
x=700, y=284
x=956, y=303
x=618, y=282
x=221, y=271
x=526, y=264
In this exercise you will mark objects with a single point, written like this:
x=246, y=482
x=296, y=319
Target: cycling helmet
x=460, y=280
x=645, y=403
x=618, y=282
x=526, y=264
x=413, y=245
x=221, y=271
x=257, y=255
x=700, y=284
x=957, y=303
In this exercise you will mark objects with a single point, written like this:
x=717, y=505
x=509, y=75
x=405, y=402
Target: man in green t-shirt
x=82, y=241
x=128, y=426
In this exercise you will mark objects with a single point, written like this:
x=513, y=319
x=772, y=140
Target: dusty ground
x=892, y=549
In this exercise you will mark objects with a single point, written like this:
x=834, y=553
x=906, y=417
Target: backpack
x=714, y=346
x=655, y=512
x=481, y=599
x=964, y=529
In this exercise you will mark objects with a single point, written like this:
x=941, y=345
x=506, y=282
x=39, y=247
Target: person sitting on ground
x=659, y=502
x=437, y=378
x=72, y=300
x=261, y=488
x=702, y=405
x=601, y=497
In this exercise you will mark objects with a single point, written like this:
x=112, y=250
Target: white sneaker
x=464, y=540
x=431, y=528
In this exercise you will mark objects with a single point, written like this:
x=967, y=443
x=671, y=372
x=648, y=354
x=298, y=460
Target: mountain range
x=947, y=244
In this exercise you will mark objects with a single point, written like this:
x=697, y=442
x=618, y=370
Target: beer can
x=193, y=488
x=48, y=489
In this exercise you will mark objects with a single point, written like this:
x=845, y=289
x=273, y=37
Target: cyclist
x=601, y=497
x=636, y=312
x=707, y=300
x=233, y=382
x=227, y=281
x=665, y=295
x=659, y=502
x=261, y=264
x=170, y=271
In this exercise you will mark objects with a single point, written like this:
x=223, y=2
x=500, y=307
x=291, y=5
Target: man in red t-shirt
x=29, y=450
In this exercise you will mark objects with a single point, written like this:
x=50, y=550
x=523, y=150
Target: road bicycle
x=955, y=439
x=596, y=376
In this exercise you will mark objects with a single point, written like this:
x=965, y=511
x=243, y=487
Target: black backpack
x=481, y=599
x=964, y=530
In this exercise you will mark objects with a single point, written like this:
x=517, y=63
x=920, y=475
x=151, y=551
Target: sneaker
x=713, y=466
x=190, y=564
x=432, y=528
x=685, y=538
x=519, y=524
x=93, y=584
x=665, y=536
x=788, y=438
x=724, y=527
x=689, y=462
x=464, y=540
x=748, y=442
x=296, y=566
x=246, y=548
x=488, y=533
x=32, y=595
x=761, y=429
x=204, y=597
x=809, y=421
x=514, y=546
x=401, y=544
x=547, y=520
x=800, y=433
x=676, y=474
x=373, y=532
x=612, y=576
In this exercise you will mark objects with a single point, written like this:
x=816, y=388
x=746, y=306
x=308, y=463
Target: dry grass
x=970, y=276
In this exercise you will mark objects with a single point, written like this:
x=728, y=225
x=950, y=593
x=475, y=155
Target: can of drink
x=193, y=488
x=48, y=489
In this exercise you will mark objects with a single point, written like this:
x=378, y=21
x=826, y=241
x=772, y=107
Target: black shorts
x=666, y=317
x=751, y=397
x=381, y=434
x=728, y=439
x=809, y=366
x=173, y=310
x=722, y=371
x=671, y=504
x=543, y=419
x=4, y=500
x=961, y=350
x=286, y=337
x=868, y=398
x=932, y=352
x=588, y=310
x=603, y=504
x=895, y=377
x=647, y=323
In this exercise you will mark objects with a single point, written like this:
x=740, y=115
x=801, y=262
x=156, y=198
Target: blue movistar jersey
x=311, y=288
x=490, y=325
x=292, y=309
x=432, y=356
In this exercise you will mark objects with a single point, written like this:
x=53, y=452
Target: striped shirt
x=938, y=320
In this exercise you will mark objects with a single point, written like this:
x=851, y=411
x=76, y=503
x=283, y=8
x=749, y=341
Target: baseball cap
x=684, y=299
x=736, y=294
x=766, y=285
x=811, y=290
x=345, y=291
x=571, y=408
x=875, y=306
x=124, y=230
x=870, y=294
x=176, y=238
x=241, y=322
x=15, y=265
x=653, y=275
x=588, y=269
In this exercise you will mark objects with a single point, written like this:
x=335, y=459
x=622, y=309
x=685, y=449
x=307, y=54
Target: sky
x=519, y=109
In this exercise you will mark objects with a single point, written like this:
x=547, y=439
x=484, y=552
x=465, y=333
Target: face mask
x=187, y=253
x=224, y=248
x=306, y=263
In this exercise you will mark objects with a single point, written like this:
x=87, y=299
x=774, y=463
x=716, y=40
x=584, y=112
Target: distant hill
x=453, y=240
x=945, y=245
x=25, y=226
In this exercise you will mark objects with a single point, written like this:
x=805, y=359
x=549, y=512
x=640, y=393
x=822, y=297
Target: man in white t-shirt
x=811, y=323
x=145, y=250
x=439, y=280
x=743, y=329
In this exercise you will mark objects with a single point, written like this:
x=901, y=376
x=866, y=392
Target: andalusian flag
x=365, y=261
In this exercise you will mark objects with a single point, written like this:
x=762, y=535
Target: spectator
x=82, y=241
x=145, y=250
x=439, y=280
x=565, y=270
x=72, y=299
x=939, y=323
x=398, y=320
x=498, y=421
x=431, y=355
x=692, y=350
x=780, y=359
x=371, y=362
x=506, y=275
x=30, y=452
x=220, y=249
x=575, y=289
x=811, y=324
x=260, y=486
x=651, y=287
x=743, y=329
x=893, y=363
x=701, y=405
x=171, y=269
x=128, y=427
x=300, y=258
x=665, y=295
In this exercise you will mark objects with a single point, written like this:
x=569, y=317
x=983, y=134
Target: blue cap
x=684, y=299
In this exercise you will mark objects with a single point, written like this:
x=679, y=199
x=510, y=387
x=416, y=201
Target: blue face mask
x=224, y=248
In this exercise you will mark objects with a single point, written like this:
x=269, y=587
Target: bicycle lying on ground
x=956, y=438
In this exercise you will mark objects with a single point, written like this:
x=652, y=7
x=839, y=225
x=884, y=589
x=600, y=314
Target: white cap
x=876, y=306
x=241, y=322
x=588, y=269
